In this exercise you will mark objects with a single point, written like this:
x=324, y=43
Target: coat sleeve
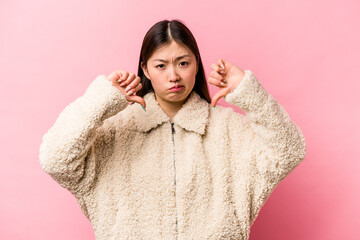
x=277, y=144
x=66, y=151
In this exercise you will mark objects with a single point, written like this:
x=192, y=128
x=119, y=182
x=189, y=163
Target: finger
x=138, y=87
x=134, y=90
x=217, y=76
x=216, y=82
x=118, y=74
x=114, y=76
x=133, y=84
x=221, y=63
x=124, y=76
x=215, y=67
x=131, y=77
x=218, y=68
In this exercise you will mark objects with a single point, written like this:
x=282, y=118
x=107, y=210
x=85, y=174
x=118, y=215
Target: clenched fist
x=128, y=84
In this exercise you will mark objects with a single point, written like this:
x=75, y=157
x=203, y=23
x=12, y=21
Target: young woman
x=176, y=168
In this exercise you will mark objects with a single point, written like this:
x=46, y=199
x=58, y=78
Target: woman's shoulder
x=226, y=119
x=126, y=120
x=115, y=124
x=225, y=113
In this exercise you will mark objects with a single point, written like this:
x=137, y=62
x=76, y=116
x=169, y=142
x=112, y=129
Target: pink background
x=305, y=53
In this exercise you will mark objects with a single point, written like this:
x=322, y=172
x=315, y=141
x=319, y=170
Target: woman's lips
x=176, y=89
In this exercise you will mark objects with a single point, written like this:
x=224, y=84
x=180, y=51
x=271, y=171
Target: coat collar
x=193, y=115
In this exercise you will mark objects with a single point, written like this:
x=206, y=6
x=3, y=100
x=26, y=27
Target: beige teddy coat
x=135, y=176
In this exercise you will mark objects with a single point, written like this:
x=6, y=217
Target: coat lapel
x=193, y=115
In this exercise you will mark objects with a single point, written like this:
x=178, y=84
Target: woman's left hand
x=226, y=76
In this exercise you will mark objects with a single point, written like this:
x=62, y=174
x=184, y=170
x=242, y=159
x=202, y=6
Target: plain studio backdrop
x=305, y=53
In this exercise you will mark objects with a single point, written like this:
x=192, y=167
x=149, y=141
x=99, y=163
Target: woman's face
x=171, y=65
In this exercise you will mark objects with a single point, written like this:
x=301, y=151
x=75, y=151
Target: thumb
x=137, y=99
x=215, y=98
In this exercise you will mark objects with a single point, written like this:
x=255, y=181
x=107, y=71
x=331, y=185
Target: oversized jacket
x=136, y=175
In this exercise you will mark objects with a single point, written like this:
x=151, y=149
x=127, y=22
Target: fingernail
x=122, y=84
x=212, y=108
x=127, y=88
x=143, y=107
x=222, y=66
x=131, y=103
x=223, y=84
x=222, y=72
x=129, y=92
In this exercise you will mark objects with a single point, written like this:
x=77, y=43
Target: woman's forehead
x=172, y=50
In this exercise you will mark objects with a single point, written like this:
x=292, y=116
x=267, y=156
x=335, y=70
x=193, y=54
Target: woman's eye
x=162, y=65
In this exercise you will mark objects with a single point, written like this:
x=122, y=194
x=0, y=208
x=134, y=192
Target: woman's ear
x=145, y=70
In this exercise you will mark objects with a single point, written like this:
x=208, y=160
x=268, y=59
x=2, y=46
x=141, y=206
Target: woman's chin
x=177, y=98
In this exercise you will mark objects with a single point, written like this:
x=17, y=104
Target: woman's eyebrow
x=178, y=58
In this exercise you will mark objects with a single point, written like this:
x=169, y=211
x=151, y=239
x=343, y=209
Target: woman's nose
x=173, y=74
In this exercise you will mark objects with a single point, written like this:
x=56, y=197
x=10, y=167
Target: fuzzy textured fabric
x=135, y=178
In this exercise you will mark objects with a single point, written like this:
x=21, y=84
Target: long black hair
x=162, y=33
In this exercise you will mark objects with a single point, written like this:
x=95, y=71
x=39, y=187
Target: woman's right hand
x=128, y=84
